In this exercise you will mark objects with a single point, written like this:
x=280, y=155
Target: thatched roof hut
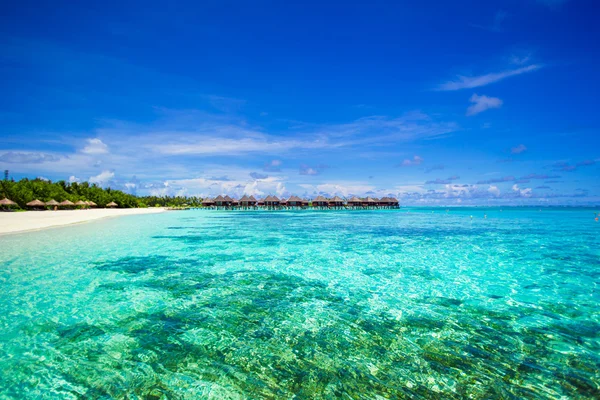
x=369, y=202
x=66, y=203
x=112, y=204
x=207, y=202
x=294, y=201
x=272, y=200
x=246, y=201
x=7, y=202
x=320, y=201
x=336, y=201
x=260, y=202
x=222, y=200
x=355, y=202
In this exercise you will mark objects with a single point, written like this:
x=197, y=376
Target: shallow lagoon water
x=411, y=303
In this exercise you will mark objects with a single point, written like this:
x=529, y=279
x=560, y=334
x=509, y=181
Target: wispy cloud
x=442, y=181
x=437, y=167
x=482, y=103
x=28, y=157
x=518, y=149
x=317, y=170
x=470, y=82
x=496, y=25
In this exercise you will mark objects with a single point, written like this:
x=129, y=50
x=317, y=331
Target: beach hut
x=336, y=202
x=294, y=201
x=36, y=205
x=320, y=201
x=66, y=203
x=6, y=204
x=355, y=202
x=247, y=201
x=272, y=201
x=112, y=204
x=53, y=204
x=208, y=202
x=81, y=203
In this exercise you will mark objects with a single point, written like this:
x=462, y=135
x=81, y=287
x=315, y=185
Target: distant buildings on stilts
x=294, y=202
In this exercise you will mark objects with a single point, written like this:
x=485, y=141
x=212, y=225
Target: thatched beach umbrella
x=7, y=202
x=81, y=203
x=92, y=204
x=36, y=204
x=66, y=203
x=112, y=204
x=52, y=203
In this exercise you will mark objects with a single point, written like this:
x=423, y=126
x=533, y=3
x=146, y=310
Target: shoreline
x=29, y=221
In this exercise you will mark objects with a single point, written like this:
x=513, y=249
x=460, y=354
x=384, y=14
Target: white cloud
x=482, y=103
x=95, y=146
x=494, y=190
x=73, y=179
x=409, y=163
x=470, y=82
x=102, y=178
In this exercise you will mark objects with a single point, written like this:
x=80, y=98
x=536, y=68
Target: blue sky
x=462, y=102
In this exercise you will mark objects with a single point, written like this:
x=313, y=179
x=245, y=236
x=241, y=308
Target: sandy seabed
x=33, y=220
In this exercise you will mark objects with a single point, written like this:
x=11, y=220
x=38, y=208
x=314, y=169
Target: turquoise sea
x=410, y=303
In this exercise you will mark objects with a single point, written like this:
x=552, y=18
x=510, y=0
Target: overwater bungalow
x=229, y=201
x=305, y=202
x=355, y=202
x=220, y=201
x=320, y=201
x=208, y=202
x=247, y=201
x=369, y=202
x=295, y=201
x=336, y=202
x=272, y=201
x=260, y=202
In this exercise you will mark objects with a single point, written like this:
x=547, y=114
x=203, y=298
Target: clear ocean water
x=410, y=303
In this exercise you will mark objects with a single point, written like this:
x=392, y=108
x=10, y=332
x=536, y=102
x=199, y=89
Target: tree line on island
x=27, y=190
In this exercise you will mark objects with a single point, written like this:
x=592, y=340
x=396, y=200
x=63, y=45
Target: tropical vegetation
x=26, y=190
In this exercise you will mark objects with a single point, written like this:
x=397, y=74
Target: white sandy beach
x=13, y=222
